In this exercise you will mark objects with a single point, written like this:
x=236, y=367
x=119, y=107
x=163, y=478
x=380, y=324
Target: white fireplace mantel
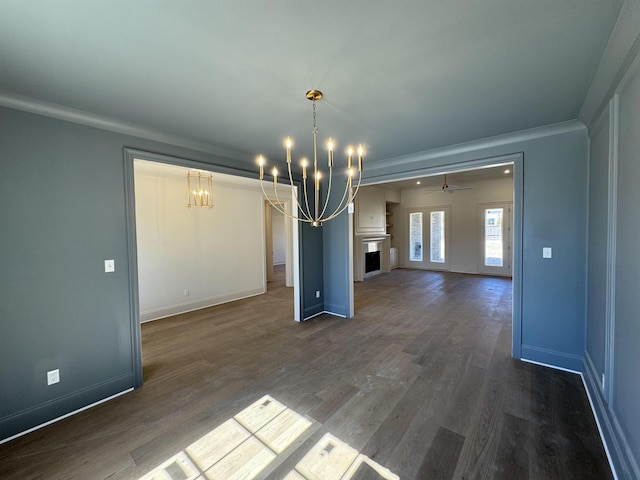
x=359, y=249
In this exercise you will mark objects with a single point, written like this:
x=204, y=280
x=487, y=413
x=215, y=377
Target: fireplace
x=372, y=261
x=371, y=256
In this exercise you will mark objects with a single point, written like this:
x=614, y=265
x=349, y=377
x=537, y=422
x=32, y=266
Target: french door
x=429, y=232
x=495, y=238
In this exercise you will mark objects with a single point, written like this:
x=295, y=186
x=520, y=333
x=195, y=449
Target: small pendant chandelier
x=199, y=189
x=315, y=216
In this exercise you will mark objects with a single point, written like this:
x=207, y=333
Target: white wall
x=465, y=224
x=217, y=254
x=278, y=237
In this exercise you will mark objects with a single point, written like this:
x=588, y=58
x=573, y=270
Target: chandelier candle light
x=317, y=217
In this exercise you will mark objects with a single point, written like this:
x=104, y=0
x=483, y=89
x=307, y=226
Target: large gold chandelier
x=305, y=212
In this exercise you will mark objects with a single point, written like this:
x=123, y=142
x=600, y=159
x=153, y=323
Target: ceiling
x=399, y=77
x=465, y=179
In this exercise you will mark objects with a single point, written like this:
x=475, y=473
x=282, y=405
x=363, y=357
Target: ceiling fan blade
x=446, y=187
x=449, y=189
x=433, y=190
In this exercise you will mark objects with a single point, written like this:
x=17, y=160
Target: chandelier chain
x=315, y=124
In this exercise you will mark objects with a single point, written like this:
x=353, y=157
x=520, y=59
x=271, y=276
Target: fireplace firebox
x=371, y=261
x=372, y=258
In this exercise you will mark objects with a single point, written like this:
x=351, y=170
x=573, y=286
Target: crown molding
x=622, y=49
x=69, y=114
x=474, y=145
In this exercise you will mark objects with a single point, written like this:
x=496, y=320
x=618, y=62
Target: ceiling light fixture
x=318, y=216
x=507, y=171
x=199, y=189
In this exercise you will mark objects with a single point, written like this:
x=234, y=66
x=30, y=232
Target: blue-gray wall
x=612, y=112
x=338, y=263
x=598, y=243
x=613, y=324
x=625, y=388
x=326, y=263
x=311, y=273
x=62, y=213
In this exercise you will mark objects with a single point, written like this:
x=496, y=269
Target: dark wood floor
x=420, y=381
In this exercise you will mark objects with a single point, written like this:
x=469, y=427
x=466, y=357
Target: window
x=493, y=237
x=415, y=236
x=437, y=236
x=494, y=252
x=428, y=228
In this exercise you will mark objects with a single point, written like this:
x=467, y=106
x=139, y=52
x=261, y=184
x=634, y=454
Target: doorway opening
x=187, y=259
x=464, y=218
x=278, y=245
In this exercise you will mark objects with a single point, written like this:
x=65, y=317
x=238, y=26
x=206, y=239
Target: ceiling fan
x=446, y=188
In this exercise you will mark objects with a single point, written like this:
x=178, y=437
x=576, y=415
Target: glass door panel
x=437, y=237
x=415, y=237
x=495, y=238
x=427, y=227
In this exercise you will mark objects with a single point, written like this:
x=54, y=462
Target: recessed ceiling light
x=507, y=171
x=418, y=182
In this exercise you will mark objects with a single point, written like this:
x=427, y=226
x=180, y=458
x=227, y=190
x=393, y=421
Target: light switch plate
x=546, y=252
x=109, y=266
x=53, y=376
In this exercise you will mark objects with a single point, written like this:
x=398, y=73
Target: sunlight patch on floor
x=246, y=444
x=332, y=459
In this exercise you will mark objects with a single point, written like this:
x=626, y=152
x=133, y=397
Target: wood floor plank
x=395, y=426
x=512, y=459
x=478, y=457
x=419, y=382
x=336, y=400
x=463, y=413
x=442, y=456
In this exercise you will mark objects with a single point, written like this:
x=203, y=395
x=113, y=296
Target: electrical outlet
x=546, y=252
x=53, y=376
x=317, y=293
x=109, y=266
x=186, y=292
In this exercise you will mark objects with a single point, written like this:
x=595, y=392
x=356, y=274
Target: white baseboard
x=62, y=417
x=172, y=310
